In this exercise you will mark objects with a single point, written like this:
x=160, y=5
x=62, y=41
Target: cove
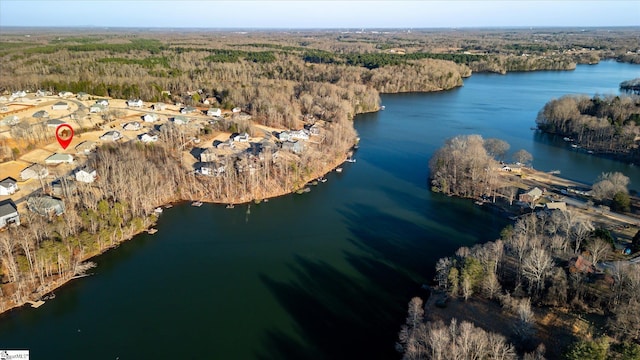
x=323, y=275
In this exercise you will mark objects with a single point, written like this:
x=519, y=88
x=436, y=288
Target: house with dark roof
x=8, y=213
x=8, y=186
x=86, y=147
x=60, y=105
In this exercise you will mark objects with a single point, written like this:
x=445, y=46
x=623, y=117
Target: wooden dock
x=36, y=304
x=152, y=231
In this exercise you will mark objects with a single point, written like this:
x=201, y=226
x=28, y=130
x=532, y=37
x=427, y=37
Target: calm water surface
x=324, y=275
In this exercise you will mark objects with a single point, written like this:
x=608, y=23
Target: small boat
x=196, y=203
x=554, y=172
x=382, y=107
x=49, y=296
x=322, y=179
x=230, y=206
x=158, y=210
x=574, y=146
x=590, y=152
x=339, y=169
x=567, y=139
x=168, y=206
x=479, y=202
x=350, y=160
x=152, y=231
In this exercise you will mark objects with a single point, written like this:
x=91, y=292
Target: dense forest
x=601, y=124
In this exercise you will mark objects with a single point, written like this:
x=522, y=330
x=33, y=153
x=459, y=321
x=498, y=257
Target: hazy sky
x=318, y=14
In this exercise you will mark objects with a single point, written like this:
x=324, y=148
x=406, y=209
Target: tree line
x=602, y=124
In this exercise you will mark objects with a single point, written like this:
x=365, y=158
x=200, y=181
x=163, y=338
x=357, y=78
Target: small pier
x=152, y=231
x=35, y=304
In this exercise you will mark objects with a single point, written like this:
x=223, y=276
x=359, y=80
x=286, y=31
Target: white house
x=8, y=186
x=212, y=169
x=41, y=93
x=60, y=105
x=131, y=126
x=188, y=110
x=214, y=112
x=35, y=171
x=8, y=213
x=103, y=102
x=112, y=135
x=65, y=94
x=180, y=120
x=135, y=103
x=59, y=158
x=10, y=120
x=241, y=138
x=299, y=134
x=96, y=108
x=18, y=94
x=150, y=117
x=146, y=138
x=86, y=147
x=159, y=106
x=86, y=175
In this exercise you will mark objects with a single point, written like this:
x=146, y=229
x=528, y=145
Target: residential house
x=60, y=105
x=41, y=93
x=531, y=196
x=59, y=158
x=295, y=147
x=8, y=213
x=214, y=112
x=150, y=117
x=180, y=120
x=112, y=135
x=208, y=155
x=159, y=106
x=10, y=120
x=557, y=205
x=135, y=103
x=97, y=108
x=65, y=94
x=66, y=189
x=40, y=114
x=146, y=138
x=18, y=94
x=86, y=174
x=54, y=123
x=212, y=169
x=284, y=136
x=102, y=102
x=188, y=110
x=8, y=186
x=35, y=171
x=229, y=144
x=299, y=135
x=131, y=126
x=241, y=138
x=45, y=205
x=82, y=96
x=580, y=265
x=314, y=129
x=86, y=147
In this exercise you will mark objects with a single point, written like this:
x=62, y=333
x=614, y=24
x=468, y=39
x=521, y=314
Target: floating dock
x=36, y=304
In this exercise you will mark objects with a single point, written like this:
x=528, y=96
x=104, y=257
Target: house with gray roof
x=40, y=114
x=60, y=105
x=188, y=110
x=59, y=158
x=54, y=123
x=135, y=103
x=8, y=213
x=180, y=120
x=8, y=186
x=45, y=205
x=112, y=135
x=295, y=147
x=35, y=171
x=214, y=112
x=97, y=108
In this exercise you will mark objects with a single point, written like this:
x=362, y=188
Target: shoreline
x=58, y=283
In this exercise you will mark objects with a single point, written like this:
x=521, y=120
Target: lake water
x=323, y=275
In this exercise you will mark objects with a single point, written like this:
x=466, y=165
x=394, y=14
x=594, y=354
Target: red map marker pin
x=64, y=135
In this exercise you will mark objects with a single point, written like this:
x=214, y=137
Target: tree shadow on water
x=338, y=316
